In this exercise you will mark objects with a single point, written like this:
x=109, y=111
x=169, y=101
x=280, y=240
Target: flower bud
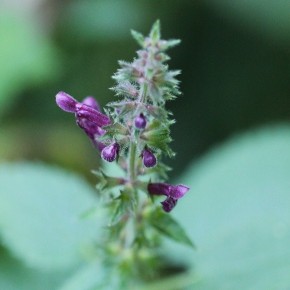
x=110, y=153
x=66, y=102
x=140, y=121
x=149, y=159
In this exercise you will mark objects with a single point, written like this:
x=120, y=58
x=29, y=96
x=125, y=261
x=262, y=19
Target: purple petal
x=66, y=102
x=91, y=102
x=169, y=203
x=159, y=188
x=85, y=112
x=178, y=191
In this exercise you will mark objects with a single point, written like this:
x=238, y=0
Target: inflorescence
x=135, y=129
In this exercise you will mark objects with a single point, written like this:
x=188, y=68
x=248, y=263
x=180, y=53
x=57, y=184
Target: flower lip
x=178, y=191
x=169, y=203
x=66, y=102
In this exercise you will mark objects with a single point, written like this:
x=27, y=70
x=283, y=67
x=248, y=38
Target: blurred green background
x=234, y=57
x=235, y=62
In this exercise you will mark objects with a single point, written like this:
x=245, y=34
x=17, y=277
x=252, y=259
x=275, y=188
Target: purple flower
x=149, y=159
x=110, y=153
x=140, y=121
x=173, y=193
x=88, y=116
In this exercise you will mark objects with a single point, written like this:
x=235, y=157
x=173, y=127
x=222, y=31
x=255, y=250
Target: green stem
x=133, y=144
x=132, y=161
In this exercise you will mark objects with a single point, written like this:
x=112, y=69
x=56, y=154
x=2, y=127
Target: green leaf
x=123, y=204
x=40, y=215
x=116, y=129
x=105, y=182
x=168, y=226
x=173, y=42
x=155, y=32
x=238, y=211
x=138, y=37
x=15, y=276
x=90, y=277
x=157, y=135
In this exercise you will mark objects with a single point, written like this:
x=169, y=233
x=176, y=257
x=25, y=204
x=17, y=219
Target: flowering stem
x=141, y=123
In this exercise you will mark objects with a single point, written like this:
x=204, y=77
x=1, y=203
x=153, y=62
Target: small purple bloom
x=66, y=102
x=173, y=193
x=110, y=153
x=88, y=116
x=149, y=159
x=140, y=121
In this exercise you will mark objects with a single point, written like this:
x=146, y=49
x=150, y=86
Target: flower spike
x=135, y=131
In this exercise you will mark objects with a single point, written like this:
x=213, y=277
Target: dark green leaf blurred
x=234, y=57
x=237, y=212
x=40, y=215
x=15, y=276
x=26, y=57
x=166, y=225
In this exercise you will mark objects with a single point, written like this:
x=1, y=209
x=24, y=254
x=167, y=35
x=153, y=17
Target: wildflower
x=173, y=193
x=88, y=116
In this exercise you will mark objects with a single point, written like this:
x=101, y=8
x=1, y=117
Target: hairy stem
x=132, y=161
